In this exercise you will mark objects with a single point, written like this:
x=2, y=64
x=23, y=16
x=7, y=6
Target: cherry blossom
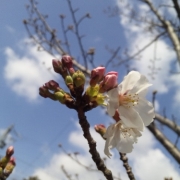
x=120, y=137
x=129, y=99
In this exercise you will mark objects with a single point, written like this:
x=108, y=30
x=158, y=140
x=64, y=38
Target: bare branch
x=66, y=173
x=169, y=123
x=165, y=142
x=114, y=54
x=65, y=33
x=59, y=49
x=145, y=47
x=77, y=34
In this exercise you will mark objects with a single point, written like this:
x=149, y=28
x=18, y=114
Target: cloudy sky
x=40, y=124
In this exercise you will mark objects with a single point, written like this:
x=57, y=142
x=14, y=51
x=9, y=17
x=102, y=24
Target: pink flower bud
x=58, y=68
x=57, y=65
x=52, y=85
x=67, y=61
x=97, y=75
x=43, y=91
x=101, y=129
x=9, y=151
x=12, y=160
x=109, y=82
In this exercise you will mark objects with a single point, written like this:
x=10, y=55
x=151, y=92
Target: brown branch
x=169, y=123
x=92, y=145
x=165, y=142
x=129, y=172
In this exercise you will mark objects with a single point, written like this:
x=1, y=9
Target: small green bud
x=92, y=91
x=60, y=97
x=78, y=78
x=68, y=80
x=100, y=98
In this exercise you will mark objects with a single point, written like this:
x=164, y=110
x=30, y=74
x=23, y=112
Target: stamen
x=128, y=100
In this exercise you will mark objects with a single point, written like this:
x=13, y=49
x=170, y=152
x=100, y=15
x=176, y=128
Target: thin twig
x=142, y=49
x=66, y=173
x=77, y=34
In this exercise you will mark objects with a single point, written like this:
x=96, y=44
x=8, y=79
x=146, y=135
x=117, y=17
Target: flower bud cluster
x=75, y=81
x=101, y=83
x=7, y=163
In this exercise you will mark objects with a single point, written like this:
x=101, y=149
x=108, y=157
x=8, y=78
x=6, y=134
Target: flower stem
x=92, y=145
x=124, y=158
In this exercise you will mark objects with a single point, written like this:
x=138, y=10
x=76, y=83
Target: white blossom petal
x=113, y=94
x=130, y=118
x=145, y=110
x=117, y=135
x=141, y=86
x=136, y=133
x=110, y=139
x=126, y=144
x=130, y=81
x=111, y=107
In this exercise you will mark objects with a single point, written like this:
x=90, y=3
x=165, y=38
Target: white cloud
x=148, y=162
x=25, y=74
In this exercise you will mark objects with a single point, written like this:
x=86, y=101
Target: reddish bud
x=10, y=151
x=43, y=91
x=101, y=129
x=12, y=160
x=58, y=68
x=67, y=61
x=109, y=82
x=57, y=65
x=52, y=85
x=97, y=75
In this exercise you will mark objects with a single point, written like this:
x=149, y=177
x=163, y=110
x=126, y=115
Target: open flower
x=129, y=100
x=120, y=137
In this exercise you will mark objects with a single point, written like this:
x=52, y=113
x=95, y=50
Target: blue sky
x=42, y=124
